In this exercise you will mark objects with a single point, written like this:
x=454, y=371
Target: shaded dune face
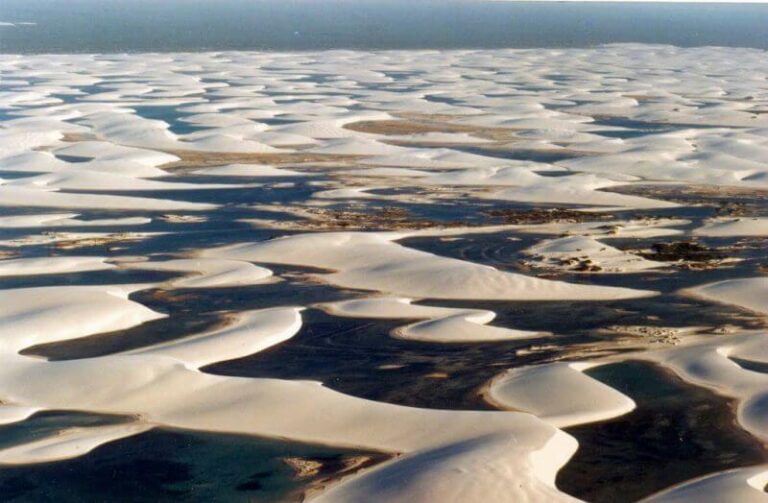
x=391, y=276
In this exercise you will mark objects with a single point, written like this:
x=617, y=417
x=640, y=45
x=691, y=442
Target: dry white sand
x=446, y=455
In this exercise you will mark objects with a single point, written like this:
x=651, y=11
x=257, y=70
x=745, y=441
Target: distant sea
x=74, y=26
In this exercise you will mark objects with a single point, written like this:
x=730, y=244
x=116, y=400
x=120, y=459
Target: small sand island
x=398, y=276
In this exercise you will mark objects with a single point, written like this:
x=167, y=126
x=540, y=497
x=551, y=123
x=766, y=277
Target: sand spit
x=374, y=261
x=559, y=393
x=38, y=198
x=247, y=170
x=52, y=265
x=248, y=333
x=749, y=293
x=66, y=220
x=32, y=316
x=68, y=444
x=441, y=324
x=745, y=485
x=734, y=227
x=207, y=273
x=478, y=469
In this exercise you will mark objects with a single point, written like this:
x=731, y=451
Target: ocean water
x=290, y=25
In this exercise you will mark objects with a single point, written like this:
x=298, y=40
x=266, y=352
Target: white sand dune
x=52, y=265
x=162, y=386
x=433, y=159
x=612, y=229
x=249, y=103
x=556, y=253
x=248, y=333
x=578, y=190
x=44, y=162
x=207, y=273
x=374, y=261
x=488, y=468
x=346, y=193
x=708, y=363
x=749, y=293
x=247, y=170
x=10, y=413
x=734, y=227
x=165, y=391
x=47, y=314
x=68, y=444
x=66, y=220
x=46, y=198
x=745, y=485
x=559, y=393
x=75, y=179
x=108, y=151
x=465, y=327
x=443, y=324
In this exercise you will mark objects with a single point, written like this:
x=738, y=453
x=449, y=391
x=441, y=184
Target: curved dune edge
x=734, y=227
x=441, y=324
x=558, y=393
x=52, y=265
x=247, y=333
x=207, y=273
x=374, y=261
x=10, y=413
x=708, y=363
x=747, y=293
x=68, y=444
x=65, y=220
x=493, y=467
x=23, y=196
x=32, y=316
x=745, y=485
x=162, y=386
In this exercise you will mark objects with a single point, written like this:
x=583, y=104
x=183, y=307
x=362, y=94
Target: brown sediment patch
x=396, y=218
x=197, y=159
x=182, y=219
x=87, y=242
x=545, y=216
x=73, y=241
x=303, y=467
x=683, y=250
x=641, y=97
x=651, y=334
x=727, y=201
x=332, y=471
x=403, y=126
x=686, y=254
x=76, y=137
x=389, y=218
x=173, y=297
x=425, y=123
